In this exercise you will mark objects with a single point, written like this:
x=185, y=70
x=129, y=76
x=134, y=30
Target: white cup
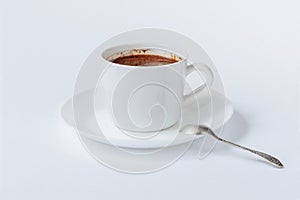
x=145, y=99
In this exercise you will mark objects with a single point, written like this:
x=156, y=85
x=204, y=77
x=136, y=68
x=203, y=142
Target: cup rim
x=143, y=46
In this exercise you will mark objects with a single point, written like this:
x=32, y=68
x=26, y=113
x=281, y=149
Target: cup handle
x=205, y=73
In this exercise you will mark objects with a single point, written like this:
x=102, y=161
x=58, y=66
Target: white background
x=255, y=46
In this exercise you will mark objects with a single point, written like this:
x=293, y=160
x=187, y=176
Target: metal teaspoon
x=200, y=129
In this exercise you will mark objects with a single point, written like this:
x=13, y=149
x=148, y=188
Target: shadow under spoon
x=200, y=129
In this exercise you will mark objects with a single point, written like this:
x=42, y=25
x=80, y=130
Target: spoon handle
x=268, y=157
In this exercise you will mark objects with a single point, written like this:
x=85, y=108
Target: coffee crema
x=144, y=60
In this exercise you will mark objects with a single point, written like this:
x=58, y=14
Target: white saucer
x=211, y=108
